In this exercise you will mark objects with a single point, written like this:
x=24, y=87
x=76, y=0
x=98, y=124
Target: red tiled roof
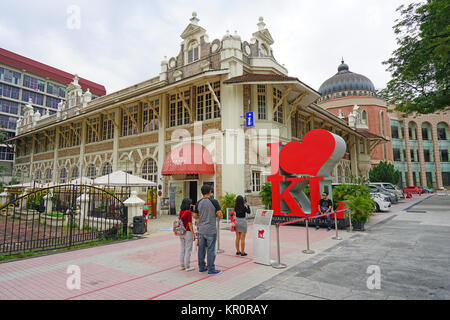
x=255, y=77
x=43, y=70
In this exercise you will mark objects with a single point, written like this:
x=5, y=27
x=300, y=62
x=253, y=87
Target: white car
x=382, y=202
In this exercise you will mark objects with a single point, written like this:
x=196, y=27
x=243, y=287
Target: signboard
x=261, y=236
x=249, y=119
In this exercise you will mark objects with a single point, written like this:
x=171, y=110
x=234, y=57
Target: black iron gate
x=62, y=216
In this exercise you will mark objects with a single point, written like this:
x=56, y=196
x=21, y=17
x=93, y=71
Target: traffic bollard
x=218, y=250
x=277, y=264
x=350, y=221
x=336, y=227
x=308, y=250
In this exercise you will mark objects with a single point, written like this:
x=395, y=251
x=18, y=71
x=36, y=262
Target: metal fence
x=61, y=216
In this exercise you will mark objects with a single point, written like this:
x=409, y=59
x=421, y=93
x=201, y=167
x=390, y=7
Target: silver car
x=392, y=196
x=392, y=188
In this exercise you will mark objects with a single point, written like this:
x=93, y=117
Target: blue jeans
x=328, y=220
x=206, y=240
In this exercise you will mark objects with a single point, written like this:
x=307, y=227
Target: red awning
x=187, y=159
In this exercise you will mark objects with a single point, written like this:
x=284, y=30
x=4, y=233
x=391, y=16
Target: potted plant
x=361, y=208
x=227, y=201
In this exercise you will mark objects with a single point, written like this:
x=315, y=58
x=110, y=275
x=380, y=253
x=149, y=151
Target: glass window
x=9, y=106
x=56, y=90
x=108, y=126
x=10, y=76
x=394, y=132
x=444, y=155
x=92, y=130
x=52, y=102
x=75, y=173
x=150, y=170
x=426, y=154
x=8, y=122
x=63, y=175
x=150, y=120
x=396, y=153
x=9, y=91
x=256, y=181
x=91, y=172
x=107, y=169
x=36, y=98
x=278, y=114
x=178, y=113
x=261, y=102
x=33, y=83
x=129, y=121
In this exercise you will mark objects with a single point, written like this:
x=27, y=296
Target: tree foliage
x=384, y=172
x=420, y=65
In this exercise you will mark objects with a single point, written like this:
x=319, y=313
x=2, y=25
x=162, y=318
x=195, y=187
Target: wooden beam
x=158, y=114
x=184, y=103
x=283, y=97
x=132, y=118
x=49, y=138
x=35, y=139
x=62, y=135
x=214, y=95
x=93, y=128
x=75, y=131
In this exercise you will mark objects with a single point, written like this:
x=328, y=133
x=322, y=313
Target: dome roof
x=346, y=80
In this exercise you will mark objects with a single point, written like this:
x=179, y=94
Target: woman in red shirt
x=189, y=237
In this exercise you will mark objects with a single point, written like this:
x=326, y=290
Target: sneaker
x=190, y=269
x=317, y=228
x=238, y=253
x=202, y=270
x=243, y=254
x=329, y=229
x=182, y=268
x=215, y=272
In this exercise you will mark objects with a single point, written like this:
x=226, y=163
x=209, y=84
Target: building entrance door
x=193, y=191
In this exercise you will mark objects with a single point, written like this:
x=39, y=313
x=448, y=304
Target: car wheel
x=377, y=207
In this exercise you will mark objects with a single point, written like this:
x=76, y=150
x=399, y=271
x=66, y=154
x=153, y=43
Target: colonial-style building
x=205, y=93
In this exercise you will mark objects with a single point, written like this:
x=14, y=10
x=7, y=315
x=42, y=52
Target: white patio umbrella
x=25, y=185
x=82, y=180
x=120, y=178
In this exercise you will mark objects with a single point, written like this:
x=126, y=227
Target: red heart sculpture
x=308, y=156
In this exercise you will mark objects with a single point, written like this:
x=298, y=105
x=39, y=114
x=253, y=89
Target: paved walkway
x=148, y=268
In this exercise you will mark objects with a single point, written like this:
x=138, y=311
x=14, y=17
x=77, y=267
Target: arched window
x=63, y=175
x=193, y=51
x=442, y=131
x=364, y=117
x=107, y=169
x=412, y=130
x=48, y=176
x=38, y=176
x=75, y=173
x=150, y=170
x=339, y=174
x=91, y=172
x=347, y=174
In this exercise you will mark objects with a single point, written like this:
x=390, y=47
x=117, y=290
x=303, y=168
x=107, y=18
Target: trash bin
x=139, y=225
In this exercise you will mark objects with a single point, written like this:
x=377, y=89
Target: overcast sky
x=120, y=43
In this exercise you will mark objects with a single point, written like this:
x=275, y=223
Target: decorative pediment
x=193, y=28
x=263, y=34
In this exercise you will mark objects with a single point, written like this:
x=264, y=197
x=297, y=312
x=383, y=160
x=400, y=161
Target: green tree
x=384, y=172
x=420, y=65
x=227, y=201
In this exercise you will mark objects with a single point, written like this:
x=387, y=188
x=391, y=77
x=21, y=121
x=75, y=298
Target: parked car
x=412, y=189
x=382, y=202
x=392, y=188
x=392, y=196
x=426, y=189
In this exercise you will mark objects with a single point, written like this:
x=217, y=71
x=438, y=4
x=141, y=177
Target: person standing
x=241, y=208
x=188, y=238
x=207, y=210
x=325, y=206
